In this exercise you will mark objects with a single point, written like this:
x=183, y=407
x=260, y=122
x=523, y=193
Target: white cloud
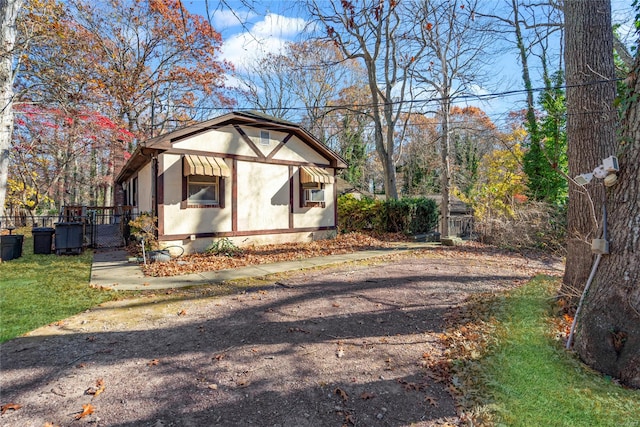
x=279, y=26
x=268, y=35
x=225, y=19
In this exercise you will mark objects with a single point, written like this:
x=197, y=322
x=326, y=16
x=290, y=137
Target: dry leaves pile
x=264, y=254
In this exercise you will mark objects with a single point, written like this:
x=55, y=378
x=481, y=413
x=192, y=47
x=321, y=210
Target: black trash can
x=69, y=237
x=11, y=246
x=42, y=240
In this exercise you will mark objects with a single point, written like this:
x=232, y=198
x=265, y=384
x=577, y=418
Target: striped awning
x=312, y=174
x=204, y=165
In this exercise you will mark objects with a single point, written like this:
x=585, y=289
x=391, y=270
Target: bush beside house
x=409, y=215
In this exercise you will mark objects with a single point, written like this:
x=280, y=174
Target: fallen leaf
x=50, y=425
x=432, y=401
x=335, y=305
x=219, y=356
x=304, y=331
x=86, y=410
x=367, y=396
x=182, y=313
x=12, y=406
x=100, y=387
x=343, y=394
x=154, y=362
x=411, y=386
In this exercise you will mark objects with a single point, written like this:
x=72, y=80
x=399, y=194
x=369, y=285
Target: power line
x=455, y=100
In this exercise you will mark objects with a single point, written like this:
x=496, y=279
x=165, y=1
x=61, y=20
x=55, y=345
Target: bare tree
x=457, y=42
x=384, y=38
x=266, y=86
x=301, y=83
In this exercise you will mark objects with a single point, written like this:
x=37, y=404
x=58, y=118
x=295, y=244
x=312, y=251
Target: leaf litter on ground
x=264, y=254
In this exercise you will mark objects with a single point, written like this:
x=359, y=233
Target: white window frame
x=265, y=137
x=203, y=181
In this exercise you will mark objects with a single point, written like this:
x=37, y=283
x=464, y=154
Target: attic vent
x=264, y=137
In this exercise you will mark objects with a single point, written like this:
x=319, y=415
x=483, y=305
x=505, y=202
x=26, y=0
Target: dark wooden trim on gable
x=279, y=146
x=198, y=131
x=263, y=159
x=249, y=142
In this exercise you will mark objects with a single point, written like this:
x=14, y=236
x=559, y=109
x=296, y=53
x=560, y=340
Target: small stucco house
x=246, y=176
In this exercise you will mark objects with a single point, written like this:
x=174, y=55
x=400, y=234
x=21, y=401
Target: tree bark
x=591, y=120
x=608, y=336
x=8, y=14
x=445, y=210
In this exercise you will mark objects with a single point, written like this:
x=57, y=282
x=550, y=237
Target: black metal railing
x=101, y=227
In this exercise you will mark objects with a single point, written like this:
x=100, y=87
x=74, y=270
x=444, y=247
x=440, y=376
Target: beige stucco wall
x=263, y=196
x=296, y=150
x=190, y=220
x=202, y=244
x=145, y=189
x=314, y=216
x=223, y=140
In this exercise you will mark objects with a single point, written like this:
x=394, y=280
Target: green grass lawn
x=36, y=290
x=530, y=380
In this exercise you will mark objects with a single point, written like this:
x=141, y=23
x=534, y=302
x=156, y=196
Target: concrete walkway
x=112, y=269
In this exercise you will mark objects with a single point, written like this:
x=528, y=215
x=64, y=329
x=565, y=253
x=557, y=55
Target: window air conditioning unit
x=313, y=195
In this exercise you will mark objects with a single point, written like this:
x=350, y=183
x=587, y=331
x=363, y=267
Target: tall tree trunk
x=445, y=211
x=591, y=120
x=609, y=329
x=8, y=14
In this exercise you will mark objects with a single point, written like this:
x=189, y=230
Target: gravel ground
x=342, y=346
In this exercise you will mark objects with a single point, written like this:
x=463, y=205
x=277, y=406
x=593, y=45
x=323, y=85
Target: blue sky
x=249, y=34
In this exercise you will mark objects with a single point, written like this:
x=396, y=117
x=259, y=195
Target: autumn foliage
x=95, y=79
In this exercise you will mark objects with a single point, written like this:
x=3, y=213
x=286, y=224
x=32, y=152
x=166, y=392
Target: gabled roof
x=148, y=148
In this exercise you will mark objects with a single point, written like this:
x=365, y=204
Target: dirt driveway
x=340, y=346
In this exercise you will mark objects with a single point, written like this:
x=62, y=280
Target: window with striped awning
x=311, y=174
x=204, y=166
